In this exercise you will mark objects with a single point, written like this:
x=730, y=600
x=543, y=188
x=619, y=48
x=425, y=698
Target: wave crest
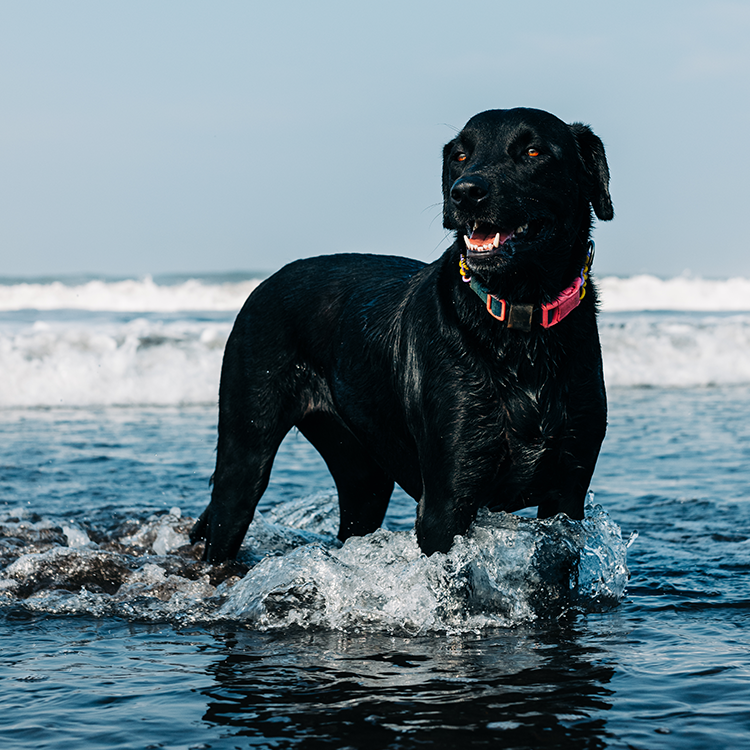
x=130, y=295
x=618, y=294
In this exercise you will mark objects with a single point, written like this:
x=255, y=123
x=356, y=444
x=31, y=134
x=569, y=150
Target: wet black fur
x=395, y=372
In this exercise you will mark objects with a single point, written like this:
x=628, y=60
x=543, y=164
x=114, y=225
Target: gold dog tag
x=519, y=317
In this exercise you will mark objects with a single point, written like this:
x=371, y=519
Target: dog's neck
x=523, y=316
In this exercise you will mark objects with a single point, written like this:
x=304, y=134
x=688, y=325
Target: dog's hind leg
x=257, y=407
x=244, y=460
x=363, y=488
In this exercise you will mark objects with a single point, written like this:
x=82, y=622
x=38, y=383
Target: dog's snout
x=470, y=191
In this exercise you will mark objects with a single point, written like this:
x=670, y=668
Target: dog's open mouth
x=489, y=239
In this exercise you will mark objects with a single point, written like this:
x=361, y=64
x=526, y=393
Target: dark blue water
x=669, y=667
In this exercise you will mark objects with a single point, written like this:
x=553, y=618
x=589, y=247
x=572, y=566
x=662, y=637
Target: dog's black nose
x=469, y=191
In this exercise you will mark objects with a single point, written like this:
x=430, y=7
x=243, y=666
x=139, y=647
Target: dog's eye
x=532, y=152
x=460, y=156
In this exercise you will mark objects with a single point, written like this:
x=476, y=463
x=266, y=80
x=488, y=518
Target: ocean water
x=629, y=629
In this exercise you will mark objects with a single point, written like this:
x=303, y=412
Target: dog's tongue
x=485, y=235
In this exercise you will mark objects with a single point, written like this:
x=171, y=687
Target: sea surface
x=629, y=629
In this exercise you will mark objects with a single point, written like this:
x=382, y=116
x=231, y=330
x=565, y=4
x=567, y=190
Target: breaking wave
x=675, y=349
x=156, y=361
x=90, y=361
x=618, y=294
x=293, y=573
x=78, y=345
x=645, y=292
x=129, y=295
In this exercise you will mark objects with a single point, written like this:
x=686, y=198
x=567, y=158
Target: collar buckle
x=491, y=300
x=520, y=317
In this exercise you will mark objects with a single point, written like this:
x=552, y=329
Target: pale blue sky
x=180, y=136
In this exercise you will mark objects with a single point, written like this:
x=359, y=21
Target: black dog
x=475, y=380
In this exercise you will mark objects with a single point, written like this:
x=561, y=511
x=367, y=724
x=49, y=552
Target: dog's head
x=518, y=189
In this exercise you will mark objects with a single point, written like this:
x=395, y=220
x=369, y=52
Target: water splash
x=293, y=573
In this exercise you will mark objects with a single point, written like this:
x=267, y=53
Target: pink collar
x=520, y=316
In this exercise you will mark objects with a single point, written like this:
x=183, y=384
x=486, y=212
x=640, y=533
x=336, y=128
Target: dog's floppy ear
x=446, y=187
x=591, y=151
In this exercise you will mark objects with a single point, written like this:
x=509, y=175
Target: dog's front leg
x=446, y=509
x=440, y=521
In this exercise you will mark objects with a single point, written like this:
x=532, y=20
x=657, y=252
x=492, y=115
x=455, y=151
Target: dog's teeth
x=468, y=244
x=476, y=224
x=496, y=241
x=522, y=229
